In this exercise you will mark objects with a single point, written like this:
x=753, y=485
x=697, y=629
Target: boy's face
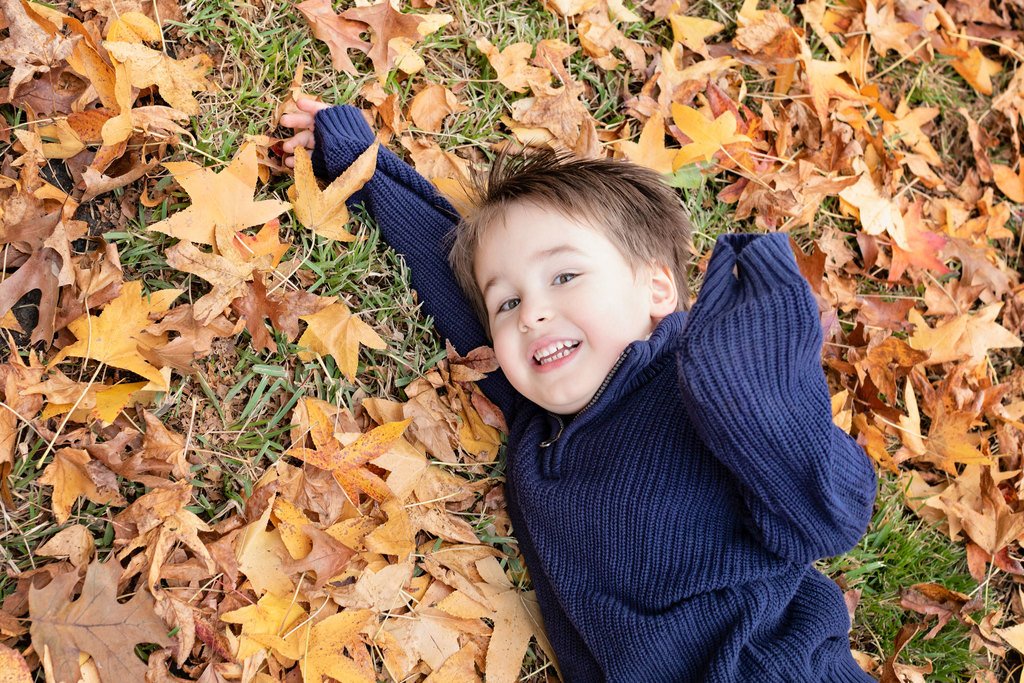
x=551, y=280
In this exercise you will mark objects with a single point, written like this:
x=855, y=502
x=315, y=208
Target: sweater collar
x=629, y=370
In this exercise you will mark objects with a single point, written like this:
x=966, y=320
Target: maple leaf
x=824, y=83
x=878, y=214
x=227, y=276
x=650, y=150
x=327, y=643
x=335, y=331
x=111, y=338
x=386, y=24
x=512, y=67
x=324, y=211
x=340, y=34
x=886, y=32
x=264, y=623
x=347, y=464
x=177, y=80
x=693, y=31
x=221, y=202
x=968, y=336
x=72, y=474
x=707, y=136
x=925, y=246
x=96, y=624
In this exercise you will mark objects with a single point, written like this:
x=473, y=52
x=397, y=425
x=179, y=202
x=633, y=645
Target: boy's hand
x=302, y=123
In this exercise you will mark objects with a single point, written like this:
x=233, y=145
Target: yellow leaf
x=335, y=331
x=965, y=336
x=977, y=70
x=1011, y=184
x=111, y=338
x=220, y=201
x=325, y=653
x=324, y=211
x=693, y=31
x=260, y=554
x=273, y=615
x=133, y=27
x=70, y=478
x=290, y=522
x=708, y=136
x=177, y=80
x=650, y=150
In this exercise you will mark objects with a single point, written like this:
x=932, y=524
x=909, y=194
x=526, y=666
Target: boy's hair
x=628, y=203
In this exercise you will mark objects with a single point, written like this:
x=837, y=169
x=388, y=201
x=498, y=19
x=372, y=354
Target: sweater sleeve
x=750, y=371
x=416, y=221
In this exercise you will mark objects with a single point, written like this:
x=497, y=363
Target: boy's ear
x=664, y=295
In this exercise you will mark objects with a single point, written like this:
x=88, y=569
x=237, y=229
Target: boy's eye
x=562, y=278
x=508, y=305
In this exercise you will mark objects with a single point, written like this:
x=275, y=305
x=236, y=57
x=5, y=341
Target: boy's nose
x=533, y=314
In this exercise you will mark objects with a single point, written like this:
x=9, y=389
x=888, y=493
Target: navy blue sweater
x=669, y=527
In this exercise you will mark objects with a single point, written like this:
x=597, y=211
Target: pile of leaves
x=351, y=557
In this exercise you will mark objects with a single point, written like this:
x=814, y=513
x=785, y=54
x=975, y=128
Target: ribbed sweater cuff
x=341, y=134
x=344, y=121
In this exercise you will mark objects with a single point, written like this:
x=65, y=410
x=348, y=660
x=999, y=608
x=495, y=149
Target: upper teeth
x=552, y=349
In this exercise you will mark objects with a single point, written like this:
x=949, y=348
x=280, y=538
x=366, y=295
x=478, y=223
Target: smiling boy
x=670, y=476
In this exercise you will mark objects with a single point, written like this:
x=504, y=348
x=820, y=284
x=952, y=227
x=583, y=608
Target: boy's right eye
x=508, y=305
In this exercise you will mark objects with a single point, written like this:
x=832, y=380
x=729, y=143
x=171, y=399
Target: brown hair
x=630, y=204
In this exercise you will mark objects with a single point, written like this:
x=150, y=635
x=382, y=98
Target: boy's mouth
x=554, y=352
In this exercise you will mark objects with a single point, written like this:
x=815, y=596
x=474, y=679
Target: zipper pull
x=561, y=427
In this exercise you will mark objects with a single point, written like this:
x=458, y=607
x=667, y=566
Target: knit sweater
x=669, y=526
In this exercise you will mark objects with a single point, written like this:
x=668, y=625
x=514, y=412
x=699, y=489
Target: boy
x=670, y=476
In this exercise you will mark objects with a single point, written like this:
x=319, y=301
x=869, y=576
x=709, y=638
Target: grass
x=237, y=404
x=898, y=551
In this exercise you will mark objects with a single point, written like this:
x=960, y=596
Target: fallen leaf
x=221, y=202
x=324, y=211
x=335, y=331
x=95, y=624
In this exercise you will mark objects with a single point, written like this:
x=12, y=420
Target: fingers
x=310, y=106
x=301, y=139
x=297, y=120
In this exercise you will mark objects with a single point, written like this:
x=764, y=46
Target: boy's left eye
x=562, y=278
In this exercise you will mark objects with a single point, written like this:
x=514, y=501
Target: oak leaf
x=512, y=67
x=282, y=307
x=386, y=24
x=324, y=211
x=327, y=557
x=96, y=624
x=335, y=331
x=340, y=34
x=111, y=338
x=221, y=202
x=432, y=105
x=261, y=554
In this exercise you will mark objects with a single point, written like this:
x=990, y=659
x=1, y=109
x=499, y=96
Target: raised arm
x=416, y=221
x=750, y=371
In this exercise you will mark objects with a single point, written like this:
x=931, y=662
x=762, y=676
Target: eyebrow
x=542, y=256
